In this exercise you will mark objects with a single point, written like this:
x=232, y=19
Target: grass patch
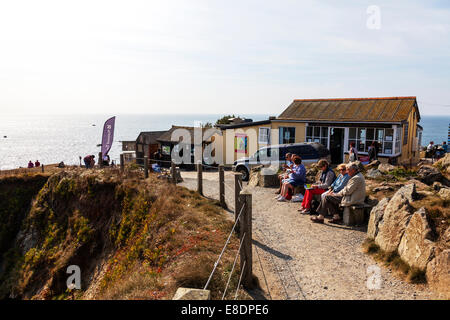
x=393, y=260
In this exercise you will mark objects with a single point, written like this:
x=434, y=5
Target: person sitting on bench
x=340, y=182
x=326, y=179
x=296, y=178
x=286, y=168
x=353, y=193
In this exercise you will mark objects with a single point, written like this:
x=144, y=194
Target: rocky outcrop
x=416, y=247
x=385, y=167
x=374, y=173
x=373, y=165
x=263, y=177
x=376, y=214
x=438, y=274
x=429, y=174
x=444, y=162
x=395, y=218
x=444, y=193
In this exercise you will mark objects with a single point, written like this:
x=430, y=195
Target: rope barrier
x=239, y=283
x=223, y=250
x=234, y=264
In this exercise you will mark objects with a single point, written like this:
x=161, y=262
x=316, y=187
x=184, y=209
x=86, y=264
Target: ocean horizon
x=55, y=138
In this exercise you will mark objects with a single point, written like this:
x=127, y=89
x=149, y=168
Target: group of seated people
x=34, y=165
x=346, y=189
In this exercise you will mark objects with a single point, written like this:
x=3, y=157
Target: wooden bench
x=355, y=214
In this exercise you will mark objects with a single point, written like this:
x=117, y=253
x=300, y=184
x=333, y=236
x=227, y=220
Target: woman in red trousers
x=326, y=179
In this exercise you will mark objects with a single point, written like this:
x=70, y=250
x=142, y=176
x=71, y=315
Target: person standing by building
x=372, y=152
x=352, y=153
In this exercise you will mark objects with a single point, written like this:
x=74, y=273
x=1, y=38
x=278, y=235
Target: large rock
x=263, y=177
x=444, y=193
x=395, y=219
x=373, y=174
x=420, y=185
x=416, y=247
x=386, y=167
x=438, y=274
x=376, y=214
x=429, y=174
x=373, y=165
x=444, y=162
x=192, y=294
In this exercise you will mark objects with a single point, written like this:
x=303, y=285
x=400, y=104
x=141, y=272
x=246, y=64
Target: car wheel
x=244, y=173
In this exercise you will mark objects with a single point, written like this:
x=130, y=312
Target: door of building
x=337, y=145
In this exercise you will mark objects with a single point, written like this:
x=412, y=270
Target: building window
x=405, y=133
x=398, y=139
x=364, y=137
x=264, y=136
x=287, y=135
x=317, y=134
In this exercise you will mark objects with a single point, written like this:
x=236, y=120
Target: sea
x=55, y=138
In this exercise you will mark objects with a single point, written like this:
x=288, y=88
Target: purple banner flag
x=108, y=135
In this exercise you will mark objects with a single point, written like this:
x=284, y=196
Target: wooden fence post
x=199, y=177
x=173, y=170
x=246, y=232
x=222, y=186
x=122, y=163
x=237, y=192
x=146, y=166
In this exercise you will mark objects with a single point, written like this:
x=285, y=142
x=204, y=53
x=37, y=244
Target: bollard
x=237, y=192
x=146, y=166
x=122, y=163
x=222, y=186
x=42, y=167
x=246, y=229
x=173, y=170
x=199, y=177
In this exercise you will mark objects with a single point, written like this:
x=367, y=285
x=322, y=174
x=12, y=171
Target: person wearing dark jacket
x=326, y=179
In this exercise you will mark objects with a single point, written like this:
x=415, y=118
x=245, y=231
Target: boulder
x=438, y=274
x=419, y=185
x=376, y=214
x=385, y=167
x=444, y=162
x=416, y=247
x=429, y=174
x=192, y=294
x=373, y=174
x=263, y=177
x=373, y=165
x=395, y=219
x=444, y=193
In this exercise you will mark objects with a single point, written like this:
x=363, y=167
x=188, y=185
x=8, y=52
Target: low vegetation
x=132, y=238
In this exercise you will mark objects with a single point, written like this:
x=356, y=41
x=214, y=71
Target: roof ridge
x=358, y=99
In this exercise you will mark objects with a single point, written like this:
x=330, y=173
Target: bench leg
x=353, y=217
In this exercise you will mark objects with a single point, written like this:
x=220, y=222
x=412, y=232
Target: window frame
x=268, y=135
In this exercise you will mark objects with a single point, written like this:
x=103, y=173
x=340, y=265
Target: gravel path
x=297, y=259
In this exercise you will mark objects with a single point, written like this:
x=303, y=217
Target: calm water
x=55, y=138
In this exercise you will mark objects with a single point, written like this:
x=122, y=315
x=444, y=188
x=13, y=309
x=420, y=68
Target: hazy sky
x=219, y=56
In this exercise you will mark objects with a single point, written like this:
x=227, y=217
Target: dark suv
x=310, y=152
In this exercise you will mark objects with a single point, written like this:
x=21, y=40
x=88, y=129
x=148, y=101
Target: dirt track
x=302, y=260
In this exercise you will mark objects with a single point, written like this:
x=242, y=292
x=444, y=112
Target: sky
x=219, y=57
